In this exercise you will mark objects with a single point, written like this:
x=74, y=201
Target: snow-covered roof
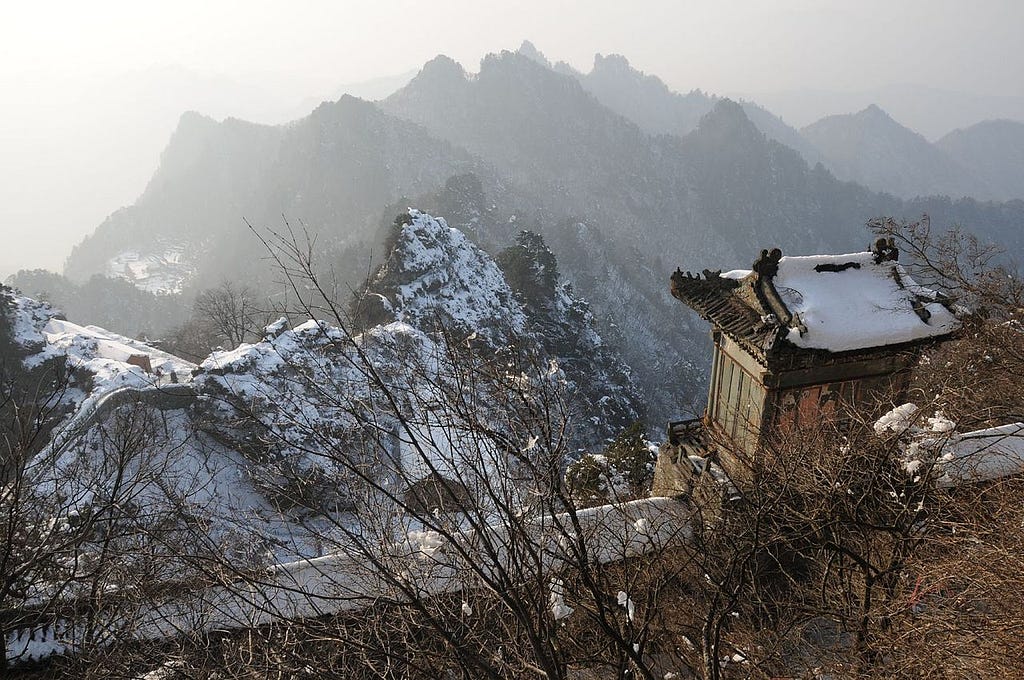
x=849, y=302
x=837, y=303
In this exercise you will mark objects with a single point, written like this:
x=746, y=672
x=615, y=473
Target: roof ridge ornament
x=767, y=265
x=885, y=250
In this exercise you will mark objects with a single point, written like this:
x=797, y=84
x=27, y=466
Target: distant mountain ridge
x=519, y=145
x=871, y=148
x=867, y=147
x=930, y=111
x=335, y=170
x=994, y=152
x=648, y=102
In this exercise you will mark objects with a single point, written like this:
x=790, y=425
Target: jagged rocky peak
x=22, y=320
x=191, y=122
x=613, y=63
x=441, y=68
x=530, y=51
x=505, y=63
x=193, y=132
x=435, y=274
x=726, y=109
x=440, y=78
x=612, y=76
x=347, y=111
x=436, y=278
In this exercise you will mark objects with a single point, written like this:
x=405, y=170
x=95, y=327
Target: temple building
x=797, y=341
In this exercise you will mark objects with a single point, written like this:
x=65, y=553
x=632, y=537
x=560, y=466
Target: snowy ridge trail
x=343, y=583
x=163, y=397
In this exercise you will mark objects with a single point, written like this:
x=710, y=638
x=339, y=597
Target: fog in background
x=92, y=91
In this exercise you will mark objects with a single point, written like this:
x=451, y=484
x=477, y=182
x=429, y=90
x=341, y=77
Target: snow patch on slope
x=98, y=362
x=98, y=348
x=306, y=385
x=163, y=272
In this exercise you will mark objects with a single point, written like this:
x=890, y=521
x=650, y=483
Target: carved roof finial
x=885, y=250
x=767, y=265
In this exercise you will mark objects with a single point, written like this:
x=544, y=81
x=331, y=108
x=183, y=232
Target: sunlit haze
x=92, y=91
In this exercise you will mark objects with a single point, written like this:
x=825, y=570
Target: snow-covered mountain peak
x=436, y=278
x=435, y=274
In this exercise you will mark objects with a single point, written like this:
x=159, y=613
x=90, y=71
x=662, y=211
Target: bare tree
x=231, y=311
x=91, y=522
x=430, y=470
x=454, y=458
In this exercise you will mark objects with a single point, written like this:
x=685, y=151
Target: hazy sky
x=720, y=45
x=80, y=133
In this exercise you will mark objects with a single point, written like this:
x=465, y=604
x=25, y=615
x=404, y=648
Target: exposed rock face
x=435, y=278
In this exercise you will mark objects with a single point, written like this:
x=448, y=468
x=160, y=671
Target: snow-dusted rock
x=436, y=275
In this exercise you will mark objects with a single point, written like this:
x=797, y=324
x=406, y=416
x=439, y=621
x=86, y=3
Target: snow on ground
x=959, y=458
x=449, y=448
x=978, y=456
x=104, y=369
x=863, y=305
x=347, y=581
x=185, y=471
x=311, y=363
x=85, y=344
x=112, y=363
x=162, y=272
x=115, y=360
x=31, y=321
x=279, y=347
x=309, y=384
